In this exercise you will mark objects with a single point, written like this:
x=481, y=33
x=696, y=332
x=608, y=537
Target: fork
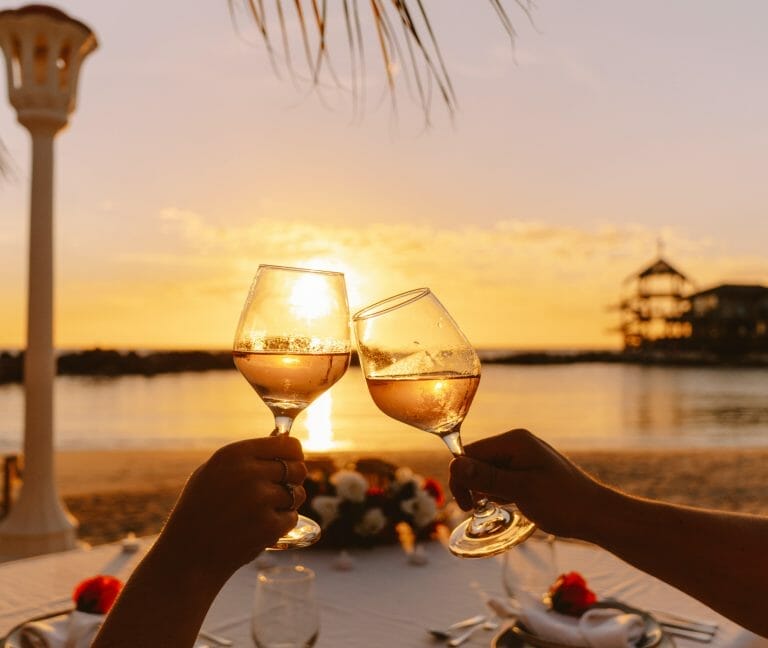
x=460, y=639
x=685, y=622
x=678, y=630
x=217, y=639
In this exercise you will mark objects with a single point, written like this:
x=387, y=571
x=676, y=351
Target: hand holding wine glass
x=292, y=344
x=422, y=370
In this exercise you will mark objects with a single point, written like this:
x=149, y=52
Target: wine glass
x=285, y=611
x=422, y=370
x=292, y=343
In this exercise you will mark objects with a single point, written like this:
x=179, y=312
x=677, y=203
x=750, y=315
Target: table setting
x=381, y=598
x=379, y=564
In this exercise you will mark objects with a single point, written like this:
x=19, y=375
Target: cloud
x=516, y=282
x=547, y=255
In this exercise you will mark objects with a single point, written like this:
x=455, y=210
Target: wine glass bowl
x=293, y=343
x=421, y=370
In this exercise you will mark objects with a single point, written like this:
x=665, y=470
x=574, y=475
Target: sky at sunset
x=188, y=162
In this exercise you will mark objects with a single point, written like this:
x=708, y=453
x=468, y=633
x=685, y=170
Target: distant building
x=730, y=318
x=661, y=311
x=652, y=307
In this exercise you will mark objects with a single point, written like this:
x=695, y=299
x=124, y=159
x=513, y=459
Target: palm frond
x=417, y=59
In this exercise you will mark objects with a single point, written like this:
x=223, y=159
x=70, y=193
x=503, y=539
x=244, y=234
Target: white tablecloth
x=383, y=602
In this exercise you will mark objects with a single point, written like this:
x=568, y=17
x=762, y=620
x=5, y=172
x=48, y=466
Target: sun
x=310, y=298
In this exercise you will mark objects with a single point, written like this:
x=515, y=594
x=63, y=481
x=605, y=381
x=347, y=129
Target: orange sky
x=188, y=163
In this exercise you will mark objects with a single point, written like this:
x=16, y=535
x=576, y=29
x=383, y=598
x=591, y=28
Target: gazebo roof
x=659, y=267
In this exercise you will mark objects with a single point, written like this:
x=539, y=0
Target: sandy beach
x=112, y=493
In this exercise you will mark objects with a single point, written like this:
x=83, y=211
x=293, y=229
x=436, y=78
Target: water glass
x=530, y=568
x=285, y=613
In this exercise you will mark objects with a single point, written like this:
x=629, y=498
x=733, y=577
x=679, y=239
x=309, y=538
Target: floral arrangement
x=570, y=595
x=96, y=595
x=355, y=511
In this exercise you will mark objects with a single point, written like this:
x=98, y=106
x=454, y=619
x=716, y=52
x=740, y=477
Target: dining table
x=377, y=597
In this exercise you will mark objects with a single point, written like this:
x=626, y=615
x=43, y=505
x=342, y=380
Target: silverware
x=464, y=623
x=460, y=639
x=693, y=635
x=217, y=639
x=688, y=631
x=697, y=624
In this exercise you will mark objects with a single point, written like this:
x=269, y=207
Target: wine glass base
x=305, y=533
x=501, y=538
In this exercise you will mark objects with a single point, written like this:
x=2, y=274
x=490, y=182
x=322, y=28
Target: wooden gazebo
x=653, y=307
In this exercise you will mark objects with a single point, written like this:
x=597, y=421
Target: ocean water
x=572, y=406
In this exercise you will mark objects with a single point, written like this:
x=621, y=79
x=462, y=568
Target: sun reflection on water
x=319, y=427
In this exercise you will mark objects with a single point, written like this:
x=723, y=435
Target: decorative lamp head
x=43, y=49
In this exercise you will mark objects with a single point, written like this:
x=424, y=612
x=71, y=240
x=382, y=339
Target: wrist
x=187, y=568
x=603, y=507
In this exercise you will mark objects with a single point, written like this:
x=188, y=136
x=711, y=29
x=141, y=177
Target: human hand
x=234, y=505
x=518, y=467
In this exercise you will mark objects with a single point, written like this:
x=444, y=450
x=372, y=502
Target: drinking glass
x=292, y=343
x=531, y=569
x=285, y=612
x=422, y=370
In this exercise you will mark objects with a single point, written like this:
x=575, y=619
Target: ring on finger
x=291, y=490
x=284, y=464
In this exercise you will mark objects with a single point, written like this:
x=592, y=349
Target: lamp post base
x=13, y=546
x=26, y=532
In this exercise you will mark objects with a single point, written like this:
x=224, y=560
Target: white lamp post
x=43, y=49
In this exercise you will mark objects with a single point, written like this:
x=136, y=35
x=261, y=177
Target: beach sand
x=112, y=493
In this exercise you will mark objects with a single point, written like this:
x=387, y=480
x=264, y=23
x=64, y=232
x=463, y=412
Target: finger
x=517, y=448
x=286, y=521
x=279, y=470
x=469, y=474
x=286, y=496
x=460, y=491
x=284, y=446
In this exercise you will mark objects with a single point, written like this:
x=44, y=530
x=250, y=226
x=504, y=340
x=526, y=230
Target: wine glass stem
x=453, y=440
x=282, y=425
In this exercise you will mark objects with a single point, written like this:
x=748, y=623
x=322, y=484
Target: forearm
x=163, y=604
x=717, y=557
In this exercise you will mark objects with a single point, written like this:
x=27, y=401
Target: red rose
x=569, y=594
x=432, y=486
x=96, y=595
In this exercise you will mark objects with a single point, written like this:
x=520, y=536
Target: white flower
x=350, y=485
x=327, y=507
x=422, y=508
x=372, y=523
x=403, y=475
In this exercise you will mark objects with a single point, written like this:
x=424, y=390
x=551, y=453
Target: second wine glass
x=292, y=344
x=420, y=369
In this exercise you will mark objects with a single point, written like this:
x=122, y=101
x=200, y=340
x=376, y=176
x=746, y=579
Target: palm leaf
x=420, y=60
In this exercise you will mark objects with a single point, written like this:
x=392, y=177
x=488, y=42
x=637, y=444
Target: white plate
x=516, y=635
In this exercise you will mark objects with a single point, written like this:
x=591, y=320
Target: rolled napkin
x=607, y=628
x=74, y=630
x=596, y=628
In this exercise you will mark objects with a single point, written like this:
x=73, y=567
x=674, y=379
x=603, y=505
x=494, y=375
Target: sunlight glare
x=354, y=278
x=318, y=423
x=309, y=298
